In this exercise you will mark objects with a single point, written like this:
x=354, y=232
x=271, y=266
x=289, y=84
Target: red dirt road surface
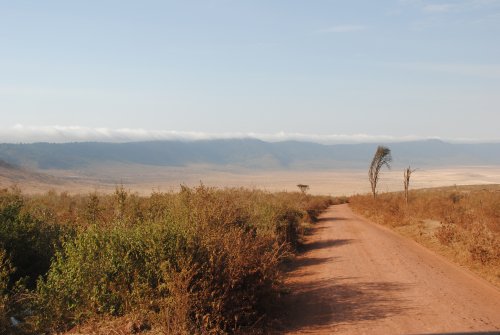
x=357, y=277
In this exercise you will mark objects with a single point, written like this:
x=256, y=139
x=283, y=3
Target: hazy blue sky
x=393, y=68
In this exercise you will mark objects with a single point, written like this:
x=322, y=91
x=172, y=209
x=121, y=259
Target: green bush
x=30, y=243
x=5, y=272
x=105, y=271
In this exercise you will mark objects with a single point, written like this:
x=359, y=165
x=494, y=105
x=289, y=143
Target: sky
x=320, y=70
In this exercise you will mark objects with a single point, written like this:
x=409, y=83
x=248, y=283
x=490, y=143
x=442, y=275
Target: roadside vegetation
x=200, y=261
x=461, y=223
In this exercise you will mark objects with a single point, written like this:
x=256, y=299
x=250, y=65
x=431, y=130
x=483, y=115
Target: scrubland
x=461, y=223
x=199, y=261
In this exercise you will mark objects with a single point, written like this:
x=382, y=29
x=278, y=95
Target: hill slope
x=244, y=153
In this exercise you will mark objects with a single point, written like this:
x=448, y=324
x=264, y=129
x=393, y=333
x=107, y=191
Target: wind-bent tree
x=382, y=157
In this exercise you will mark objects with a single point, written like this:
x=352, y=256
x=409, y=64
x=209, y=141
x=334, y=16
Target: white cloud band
x=61, y=134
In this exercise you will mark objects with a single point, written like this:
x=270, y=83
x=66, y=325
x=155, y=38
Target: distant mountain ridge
x=245, y=153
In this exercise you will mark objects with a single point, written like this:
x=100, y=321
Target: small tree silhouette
x=303, y=188
x=382, y=157
x=407, y=175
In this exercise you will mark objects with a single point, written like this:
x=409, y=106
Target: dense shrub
x=5, y=271
x=29, y=242
x=105, y=271
x=201, y=261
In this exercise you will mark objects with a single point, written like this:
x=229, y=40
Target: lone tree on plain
x=382, y=157
x=303, y=188
x=407, y=175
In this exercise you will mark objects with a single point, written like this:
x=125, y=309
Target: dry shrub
x=469, y=216
x=446, y=233
x=387, y=208
x=227, y=287
x=482, y=245
x=174, y=310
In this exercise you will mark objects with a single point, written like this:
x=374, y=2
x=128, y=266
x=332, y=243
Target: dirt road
x=357, y=277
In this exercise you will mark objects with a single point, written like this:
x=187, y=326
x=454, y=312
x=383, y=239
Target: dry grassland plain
x=145, y=179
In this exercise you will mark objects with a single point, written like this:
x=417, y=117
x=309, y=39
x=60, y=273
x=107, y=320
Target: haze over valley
x=328, y=169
